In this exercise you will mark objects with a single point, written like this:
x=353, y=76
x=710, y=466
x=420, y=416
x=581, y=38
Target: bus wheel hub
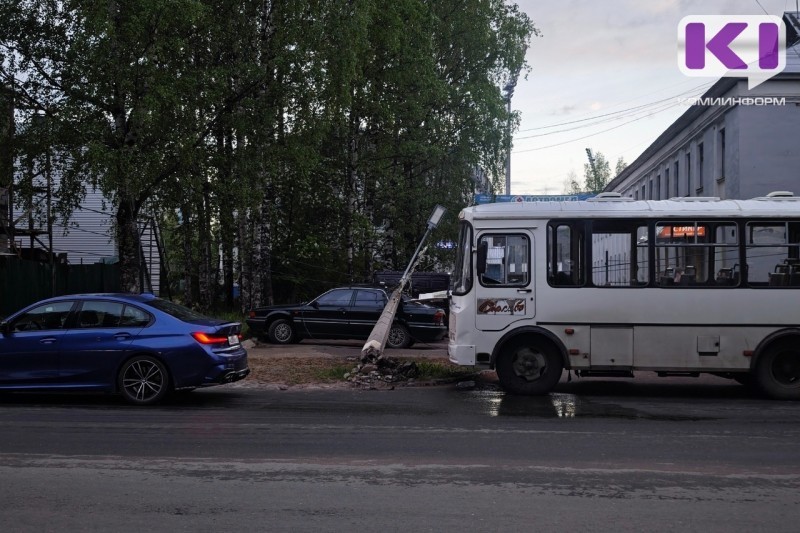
x=529, y=364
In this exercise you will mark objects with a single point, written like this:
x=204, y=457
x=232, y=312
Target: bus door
x=504, y=288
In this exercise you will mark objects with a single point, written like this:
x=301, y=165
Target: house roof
x=719, y=89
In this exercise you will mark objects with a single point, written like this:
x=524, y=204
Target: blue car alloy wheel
x=143, y=380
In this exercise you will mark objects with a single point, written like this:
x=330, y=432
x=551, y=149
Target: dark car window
x=370, y=298
x=99, y=314
x=47, y=316
x=178, y=311
x=134, y=317
x=336, y=298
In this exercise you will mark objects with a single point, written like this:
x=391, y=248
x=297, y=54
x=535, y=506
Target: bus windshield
x=462, y=275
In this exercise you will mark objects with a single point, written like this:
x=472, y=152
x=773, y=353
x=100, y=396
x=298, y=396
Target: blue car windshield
x=178, y=311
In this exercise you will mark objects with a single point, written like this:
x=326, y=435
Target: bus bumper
x=461, y=354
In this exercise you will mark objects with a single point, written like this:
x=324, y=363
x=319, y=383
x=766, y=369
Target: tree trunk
x=186, y=233
x=248, y=284
x=226, y=221
x=130, y=256
x=204, y=248
x=265, y=248
x=350, y=196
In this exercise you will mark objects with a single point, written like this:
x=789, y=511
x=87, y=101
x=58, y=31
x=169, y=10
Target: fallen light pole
x=376, y=342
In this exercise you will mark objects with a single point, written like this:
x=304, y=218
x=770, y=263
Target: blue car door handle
x=47, y=340
x=122, y=336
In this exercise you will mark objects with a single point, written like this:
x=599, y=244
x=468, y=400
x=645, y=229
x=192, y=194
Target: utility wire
x=621, y=111
x=665, y=104
x=592, y=134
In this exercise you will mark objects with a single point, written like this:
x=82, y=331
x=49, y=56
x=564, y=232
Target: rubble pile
x=378, y=371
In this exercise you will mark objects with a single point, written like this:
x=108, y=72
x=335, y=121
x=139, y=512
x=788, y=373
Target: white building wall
x=769, y=147
x=88, y=237
x=760, y=154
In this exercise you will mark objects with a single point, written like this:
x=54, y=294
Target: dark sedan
x=347, y=313
x=139, y=346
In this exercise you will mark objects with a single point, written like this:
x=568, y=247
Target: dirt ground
x=319, y=363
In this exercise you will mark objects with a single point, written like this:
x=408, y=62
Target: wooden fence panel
x=24, y=282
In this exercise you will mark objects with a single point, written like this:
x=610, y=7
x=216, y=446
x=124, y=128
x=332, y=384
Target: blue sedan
x=137, y=345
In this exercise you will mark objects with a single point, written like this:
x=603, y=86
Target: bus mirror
x=483, y=252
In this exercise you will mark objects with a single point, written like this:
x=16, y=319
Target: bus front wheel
x=529, y=367
x=777, y=372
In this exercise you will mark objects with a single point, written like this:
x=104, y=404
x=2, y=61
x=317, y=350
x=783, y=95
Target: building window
x=688, y=174
x=651, y=189
x=721, y=154
x=677, y=180
x=666, y=182
x=644, y=196
x=658, y=187
x=700, y=164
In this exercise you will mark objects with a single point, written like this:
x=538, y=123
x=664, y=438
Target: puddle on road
x=555, y=405
x=561, y=405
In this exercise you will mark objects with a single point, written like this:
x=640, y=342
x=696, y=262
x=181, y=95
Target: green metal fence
x=25, y=282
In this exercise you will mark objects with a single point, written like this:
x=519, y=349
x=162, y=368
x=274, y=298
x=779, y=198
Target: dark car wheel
x=281, y=332
x=529, y=368
x=143, y=380
x=777, y=372
x=399, y=337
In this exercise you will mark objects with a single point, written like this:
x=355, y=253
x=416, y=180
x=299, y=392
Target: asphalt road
x=596, y=455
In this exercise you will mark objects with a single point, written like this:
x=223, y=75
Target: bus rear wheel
x=530, y=368
x=777, y=372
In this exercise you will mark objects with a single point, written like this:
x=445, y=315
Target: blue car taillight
x=205, y=338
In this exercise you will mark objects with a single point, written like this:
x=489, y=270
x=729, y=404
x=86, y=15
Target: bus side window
x=503, y=259
x=563, y=278
x=565, y=254
x=483, y=252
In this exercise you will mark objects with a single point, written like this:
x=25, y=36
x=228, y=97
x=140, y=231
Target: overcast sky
x=616, y=58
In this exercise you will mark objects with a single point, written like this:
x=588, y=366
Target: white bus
x=609, y=286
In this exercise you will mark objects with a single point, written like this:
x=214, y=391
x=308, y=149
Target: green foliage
x=233, y=316
x=620, y=166
x=597, y=172
x=285, y=146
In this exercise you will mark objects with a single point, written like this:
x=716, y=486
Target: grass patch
x=334, y=373
x=429, y=370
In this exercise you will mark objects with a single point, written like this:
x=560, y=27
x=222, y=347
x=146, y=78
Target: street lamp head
x=436, y=216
